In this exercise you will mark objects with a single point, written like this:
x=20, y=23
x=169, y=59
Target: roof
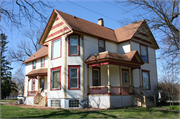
x=42, y=71
x=110, y=55
x=39, y=54
x=127, y=32
x=88, y=27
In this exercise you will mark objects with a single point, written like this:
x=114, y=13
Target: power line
x=92, y=11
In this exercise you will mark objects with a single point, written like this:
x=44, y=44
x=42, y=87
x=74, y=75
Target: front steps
x=40, y=101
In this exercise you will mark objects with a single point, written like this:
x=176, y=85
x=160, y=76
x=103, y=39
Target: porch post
x=88, y=80
x=130, y=77
x=140, y=78
x=119, y=80
x=109, y=83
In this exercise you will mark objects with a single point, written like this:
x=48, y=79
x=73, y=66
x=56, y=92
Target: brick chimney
x=101, y=22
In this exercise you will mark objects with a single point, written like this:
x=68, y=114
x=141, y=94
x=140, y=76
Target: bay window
x=73, y=77
x=74, y=46
x=146, y=80
x=56, y=78
x=56, y=47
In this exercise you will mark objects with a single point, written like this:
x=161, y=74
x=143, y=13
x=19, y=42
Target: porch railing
x=138, y=95
x=148, y=95
x=32, y=93
x=115, y=90
x=36, y=96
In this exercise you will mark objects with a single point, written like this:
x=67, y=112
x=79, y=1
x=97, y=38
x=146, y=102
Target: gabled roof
x=39, y=54
x=118, y=35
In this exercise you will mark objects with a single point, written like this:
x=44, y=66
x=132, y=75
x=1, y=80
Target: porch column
x=88, y=81
x=140, y=78
x=130, y=77
x=38, y=78
x=119, y=80
x=109, y=83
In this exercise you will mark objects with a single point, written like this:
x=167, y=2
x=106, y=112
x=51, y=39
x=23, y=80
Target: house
x=86, y=64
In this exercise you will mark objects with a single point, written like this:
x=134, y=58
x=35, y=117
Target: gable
x=144, y=36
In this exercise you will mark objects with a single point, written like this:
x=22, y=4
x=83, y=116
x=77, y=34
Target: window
x=96, y=76
x=144, y=53
x=56, y=78
x=74, y=46
x=101, y=45
x=74, y=77
x=55, y=103
x=73, y=103
x=33, y=84
x=43, y=62
x=56, y=47
x=42, y=84
x=146, y=80
x=34, y=65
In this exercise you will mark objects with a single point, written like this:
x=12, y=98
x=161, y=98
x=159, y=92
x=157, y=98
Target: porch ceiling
x=37, y=72
x=130, y=59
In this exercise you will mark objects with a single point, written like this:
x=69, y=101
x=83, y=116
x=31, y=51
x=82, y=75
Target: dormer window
x=101, y=45
x=144, y=53
x=74, y=46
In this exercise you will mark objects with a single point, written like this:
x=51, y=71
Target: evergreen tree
x=7, y=86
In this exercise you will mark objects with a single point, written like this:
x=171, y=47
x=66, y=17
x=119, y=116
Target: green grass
x=9, y=100
x=131, y=112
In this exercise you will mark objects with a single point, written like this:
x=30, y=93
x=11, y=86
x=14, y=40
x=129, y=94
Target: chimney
x=101, y=22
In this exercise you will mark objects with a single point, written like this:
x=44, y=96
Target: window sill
x=55, y=58
x=54, y=89
x=73, y=88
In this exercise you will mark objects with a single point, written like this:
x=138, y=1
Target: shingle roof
x=36, y=72
x=40, y=53
x=88, y=27
x=110, y=55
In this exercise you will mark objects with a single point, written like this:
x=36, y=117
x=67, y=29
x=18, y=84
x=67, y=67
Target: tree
x=26, y=47
x=13, y=12
x=7, y=86
x=161, y=15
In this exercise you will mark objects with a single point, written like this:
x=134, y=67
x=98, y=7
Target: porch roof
x=130, y=59
x=37, y=72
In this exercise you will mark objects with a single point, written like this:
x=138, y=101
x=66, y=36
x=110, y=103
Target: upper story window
x=101, y=45
x=56, y=78
x=56, y=48
x=34, y=64
x=74, y=45
x=74, y=77
x=43, y=62
x=144, y=53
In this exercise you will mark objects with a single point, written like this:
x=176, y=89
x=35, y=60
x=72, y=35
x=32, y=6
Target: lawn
x=9, y=100
x=130, y=112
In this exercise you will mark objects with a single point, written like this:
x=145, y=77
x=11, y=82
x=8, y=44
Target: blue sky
x=114, y=15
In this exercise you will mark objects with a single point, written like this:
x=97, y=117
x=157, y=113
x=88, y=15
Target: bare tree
x=26, y=47
x=14, y=12
x=18, y=78
x=161, y=15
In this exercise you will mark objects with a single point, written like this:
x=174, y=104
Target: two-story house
x=86, y=64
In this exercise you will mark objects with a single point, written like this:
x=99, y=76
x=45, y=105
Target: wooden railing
x=36, y=96
x=32, y=93
x=149, y=96
x=114, y=90
x=138, y=95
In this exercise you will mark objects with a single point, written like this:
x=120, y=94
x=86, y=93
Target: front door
x=125, y=77
x=42, y=84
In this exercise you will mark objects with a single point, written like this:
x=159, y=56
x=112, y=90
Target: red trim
x=47, y=25
x=142, y=40
x=34, y=84
x=123, y=75
x=73, y=66
x=141, y=33
x=99, y=68
x=104, y=44
x=44, y=61
x=146, y=52
x=78, y=45
x=59, y=37
x=57, y=32
x=33, y=64
x=52, y=69
x=147, y=71
x=57, y=25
